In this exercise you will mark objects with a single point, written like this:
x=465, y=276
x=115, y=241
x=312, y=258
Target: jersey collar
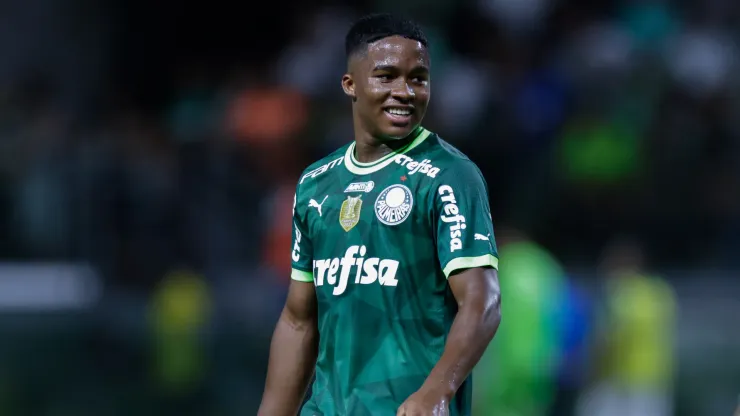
x=359, y=168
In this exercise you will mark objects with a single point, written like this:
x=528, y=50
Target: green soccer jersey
x=379, y=240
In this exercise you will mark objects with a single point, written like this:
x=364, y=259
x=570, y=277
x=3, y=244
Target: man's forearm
x=292, y=359
x=472, y=330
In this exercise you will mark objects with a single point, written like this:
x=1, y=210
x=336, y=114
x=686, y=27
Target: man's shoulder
x=326, y=163
x=448, y=158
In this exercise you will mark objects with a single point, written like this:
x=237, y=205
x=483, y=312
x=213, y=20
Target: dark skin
x=392, y=73
x=293, y=353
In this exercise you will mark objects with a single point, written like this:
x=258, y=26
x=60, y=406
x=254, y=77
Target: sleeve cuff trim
x=486, y=260
x=301, y=276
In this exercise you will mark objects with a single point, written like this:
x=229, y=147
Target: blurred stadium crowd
x=149, y=156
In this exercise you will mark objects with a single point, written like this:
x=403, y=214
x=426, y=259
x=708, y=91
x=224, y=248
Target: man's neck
x=368, y=148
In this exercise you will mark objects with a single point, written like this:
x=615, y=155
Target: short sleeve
x=302, y=253
x=463, y=222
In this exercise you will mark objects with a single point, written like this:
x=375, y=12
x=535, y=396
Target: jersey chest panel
x=368, y=230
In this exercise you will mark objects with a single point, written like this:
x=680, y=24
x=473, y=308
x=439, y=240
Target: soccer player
x=394, y=293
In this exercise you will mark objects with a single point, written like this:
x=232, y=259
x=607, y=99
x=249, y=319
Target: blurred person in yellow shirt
x=180, y=311
x=636, y=359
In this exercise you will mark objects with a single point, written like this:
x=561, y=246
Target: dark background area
x=149, y=154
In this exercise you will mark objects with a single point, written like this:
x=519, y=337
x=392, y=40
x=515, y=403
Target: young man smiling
x=395, y=293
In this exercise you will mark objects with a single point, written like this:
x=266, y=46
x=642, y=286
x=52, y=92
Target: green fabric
x=375, y=239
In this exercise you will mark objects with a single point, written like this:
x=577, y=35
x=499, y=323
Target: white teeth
x=398, y=111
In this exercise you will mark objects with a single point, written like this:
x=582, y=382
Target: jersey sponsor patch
x=451, y=215
x=360, y=187
x=338, y=272
x=424, y=167
x=394, y=204
x=318, y=171
x=349, y=213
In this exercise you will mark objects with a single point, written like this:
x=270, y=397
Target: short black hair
x=378, y=26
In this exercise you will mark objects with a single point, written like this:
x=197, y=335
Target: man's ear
x=348, y=85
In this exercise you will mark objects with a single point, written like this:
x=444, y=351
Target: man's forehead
x=396, y=49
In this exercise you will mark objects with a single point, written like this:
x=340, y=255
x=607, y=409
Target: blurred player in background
x=517, y=374
x=394, y=293
x=635, y=356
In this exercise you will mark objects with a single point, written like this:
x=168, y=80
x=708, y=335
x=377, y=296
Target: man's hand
x=425, y=403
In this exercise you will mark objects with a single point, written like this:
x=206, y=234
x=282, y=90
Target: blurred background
x=149, y=154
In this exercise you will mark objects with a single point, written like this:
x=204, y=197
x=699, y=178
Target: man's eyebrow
x=418, y=68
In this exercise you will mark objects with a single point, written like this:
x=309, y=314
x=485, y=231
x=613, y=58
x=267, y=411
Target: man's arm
x=479, y=313
x=293, y=353
x=479, y=299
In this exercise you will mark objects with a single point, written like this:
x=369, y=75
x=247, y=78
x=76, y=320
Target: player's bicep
x=301, y=304
x=477, y=282
x=464, y=226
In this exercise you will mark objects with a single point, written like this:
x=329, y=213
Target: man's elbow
x=298, y=322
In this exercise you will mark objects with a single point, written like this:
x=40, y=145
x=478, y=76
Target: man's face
x=390, y=85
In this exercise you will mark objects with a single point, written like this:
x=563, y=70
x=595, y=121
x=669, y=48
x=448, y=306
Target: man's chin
x=396, y=133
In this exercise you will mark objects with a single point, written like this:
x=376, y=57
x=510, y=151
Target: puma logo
x=481, y=237
x=313, y=204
